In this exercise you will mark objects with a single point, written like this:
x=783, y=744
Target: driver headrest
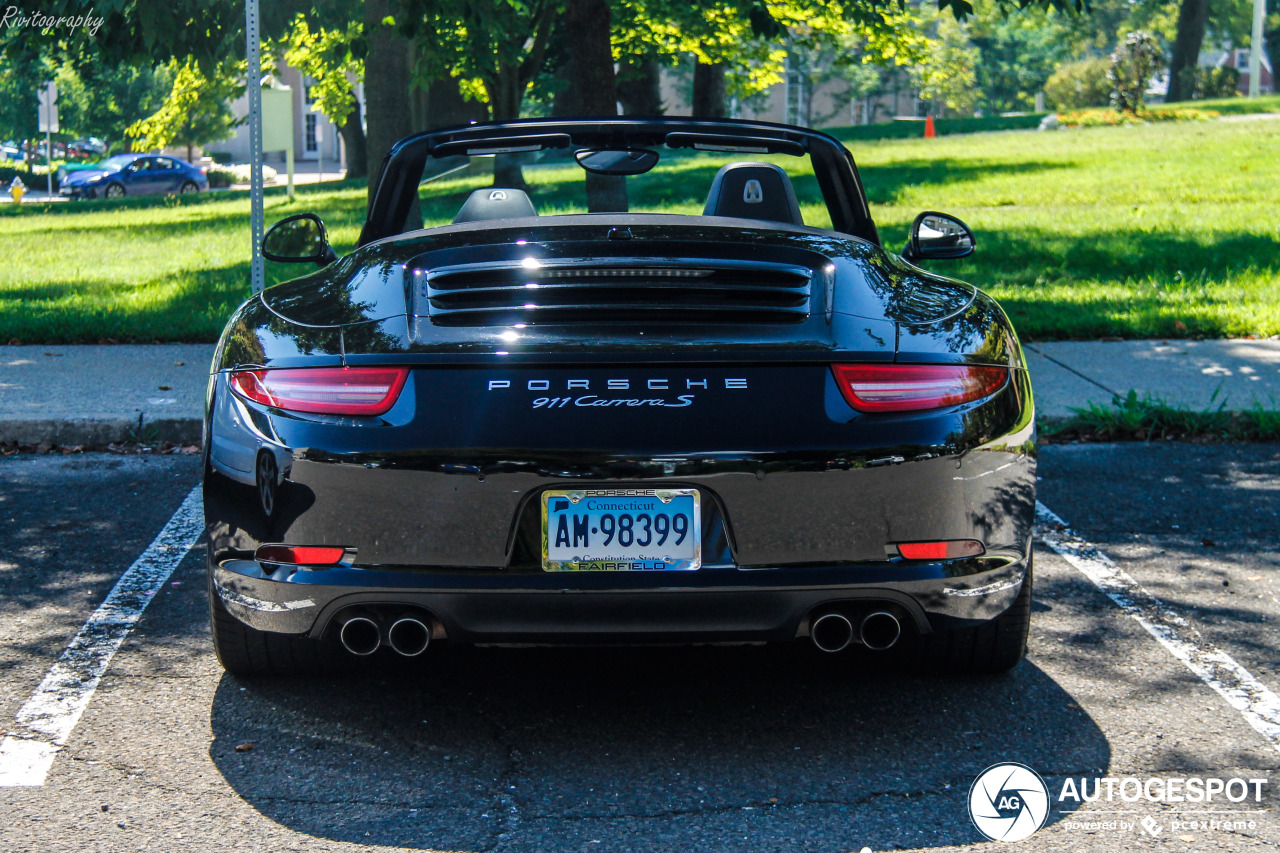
x=753, y=191
x=495, y=203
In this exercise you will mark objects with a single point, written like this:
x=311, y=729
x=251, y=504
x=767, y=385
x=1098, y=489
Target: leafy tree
x=1081, y=84
x=104, y=100
x=494, y=47
x=1133, y=62
x=333, y=58
x=21, y=74
x=1017, y=53
x=948, y=76
x=742, y=48
x=196, y=111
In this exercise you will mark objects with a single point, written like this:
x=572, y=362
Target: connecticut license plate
x=621, y=530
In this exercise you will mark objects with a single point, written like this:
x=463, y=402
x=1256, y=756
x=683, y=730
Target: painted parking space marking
x=1253, y=699
x=48, y=717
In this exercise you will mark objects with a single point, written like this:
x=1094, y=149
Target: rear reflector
x=304, y=555
x=913, y=387
x=324, y=390
x=949, y=549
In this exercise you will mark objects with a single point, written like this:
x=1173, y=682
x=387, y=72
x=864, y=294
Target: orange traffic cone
x=930, y=132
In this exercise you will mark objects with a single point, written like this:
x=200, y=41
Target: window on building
x=309, y=132
x=798, y=91
x=308, y=94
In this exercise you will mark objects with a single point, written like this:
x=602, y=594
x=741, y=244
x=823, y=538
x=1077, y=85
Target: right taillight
x=913, y=387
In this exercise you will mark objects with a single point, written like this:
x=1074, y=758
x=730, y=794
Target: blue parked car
x=134, y=174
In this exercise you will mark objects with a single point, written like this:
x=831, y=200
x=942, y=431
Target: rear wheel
x=247, y=651
x=996, y=646
x=188, y=187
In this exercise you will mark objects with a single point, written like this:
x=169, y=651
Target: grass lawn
x=1154, y=231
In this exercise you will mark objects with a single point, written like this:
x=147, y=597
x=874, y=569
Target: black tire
x=113, y=191
x=994, y=647
x=188, y=187
x=246, y=651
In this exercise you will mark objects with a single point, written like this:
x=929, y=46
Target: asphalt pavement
x=92, y=395
x=677, y=749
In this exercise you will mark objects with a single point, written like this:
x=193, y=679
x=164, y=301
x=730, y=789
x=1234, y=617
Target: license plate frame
x=687, y=556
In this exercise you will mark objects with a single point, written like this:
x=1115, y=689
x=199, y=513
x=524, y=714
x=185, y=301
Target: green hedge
x=907, y=129
x=33, y=180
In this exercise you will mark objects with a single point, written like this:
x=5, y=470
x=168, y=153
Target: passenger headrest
x=495, y=203
x=753, y=191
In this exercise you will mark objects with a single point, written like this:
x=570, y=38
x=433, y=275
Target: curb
x=93, y=431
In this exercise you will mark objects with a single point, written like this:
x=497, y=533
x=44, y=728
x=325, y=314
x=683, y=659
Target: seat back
x=495, y=203
x=752, y=190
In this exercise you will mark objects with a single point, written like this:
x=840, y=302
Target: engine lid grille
x=616, y=290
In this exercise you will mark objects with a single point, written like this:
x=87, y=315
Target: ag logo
x=753, y=193
x=1008, y=802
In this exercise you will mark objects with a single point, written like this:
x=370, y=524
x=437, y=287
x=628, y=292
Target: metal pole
x=48, y=144
x=253, y=87
x=1255, y=49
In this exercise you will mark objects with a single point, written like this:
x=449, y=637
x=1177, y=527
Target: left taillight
x=915, y=387
x=324, y=390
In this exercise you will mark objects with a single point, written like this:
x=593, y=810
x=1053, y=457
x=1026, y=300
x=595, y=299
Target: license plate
x=621, y=530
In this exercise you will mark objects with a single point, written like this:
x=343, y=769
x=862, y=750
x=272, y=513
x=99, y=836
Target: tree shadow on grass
x=885, y=184
x=186, y=305
x=1024, y=255
x=548, y=749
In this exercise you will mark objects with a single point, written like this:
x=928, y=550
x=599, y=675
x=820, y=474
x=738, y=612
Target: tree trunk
x=505, y=96
x=589, y=22
x=709, y=99
x=1192, y=17
x=353, y=140
x=639, y=88
x=445, y=106
x=565, y=102
x=387, y=72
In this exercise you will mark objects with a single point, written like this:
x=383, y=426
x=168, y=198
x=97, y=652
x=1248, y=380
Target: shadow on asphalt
x=680, y=749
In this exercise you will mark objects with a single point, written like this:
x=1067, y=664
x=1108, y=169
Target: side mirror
x=298, y=239
x=938, y=237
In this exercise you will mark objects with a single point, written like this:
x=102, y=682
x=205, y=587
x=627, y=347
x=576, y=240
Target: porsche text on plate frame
x=776, y=428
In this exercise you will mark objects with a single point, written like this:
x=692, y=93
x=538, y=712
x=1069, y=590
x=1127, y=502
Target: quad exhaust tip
x=360, y=636
x=408, y=636
x=880, y=630
x=831, y=632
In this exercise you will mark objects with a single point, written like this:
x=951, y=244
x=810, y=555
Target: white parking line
x=1259, y=705
x=55, y=708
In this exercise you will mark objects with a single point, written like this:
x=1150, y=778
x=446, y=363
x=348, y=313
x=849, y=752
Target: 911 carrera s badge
x=608, y=398
x=621, y=530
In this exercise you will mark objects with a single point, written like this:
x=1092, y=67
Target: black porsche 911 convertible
x=737, y=420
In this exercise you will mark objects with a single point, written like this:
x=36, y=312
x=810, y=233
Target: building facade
x=315, y=138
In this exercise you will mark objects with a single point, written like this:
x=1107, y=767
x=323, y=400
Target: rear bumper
x=711, y=605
